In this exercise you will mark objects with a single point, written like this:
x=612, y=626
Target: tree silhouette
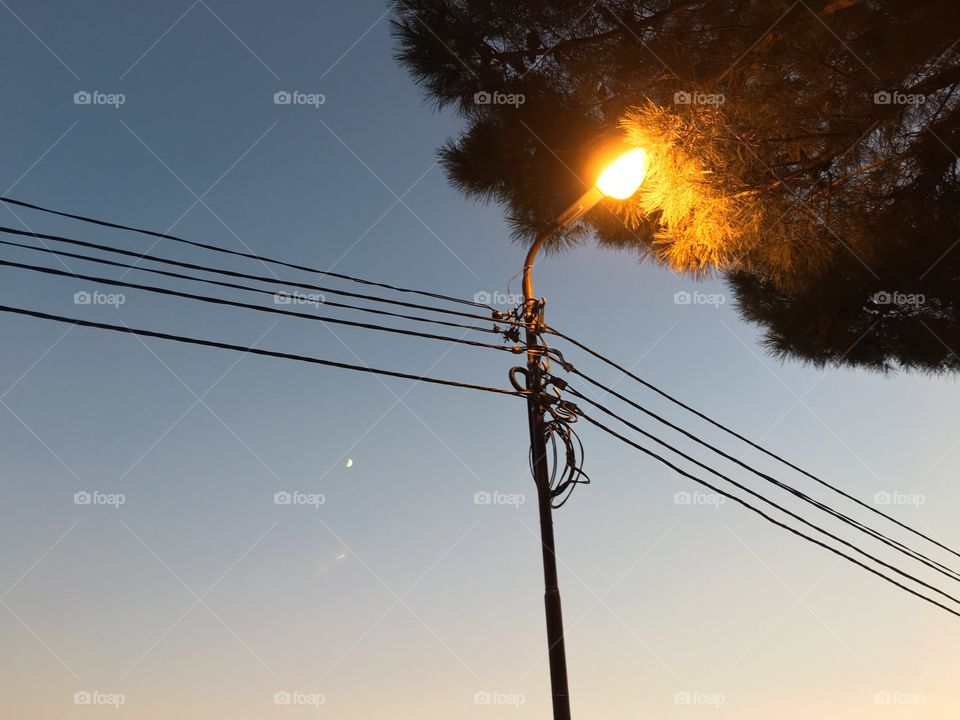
x=805, y=149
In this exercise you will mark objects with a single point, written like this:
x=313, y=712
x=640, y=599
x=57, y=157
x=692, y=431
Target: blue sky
x=200, y=596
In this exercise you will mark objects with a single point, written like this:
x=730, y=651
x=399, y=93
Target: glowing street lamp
x=623, y=176
x=619, y=180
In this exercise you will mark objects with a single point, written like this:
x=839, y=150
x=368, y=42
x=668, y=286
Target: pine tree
x=807, y=150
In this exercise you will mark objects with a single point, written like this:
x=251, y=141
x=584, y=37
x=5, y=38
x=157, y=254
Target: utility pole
x=533, y=317
x=619, y=180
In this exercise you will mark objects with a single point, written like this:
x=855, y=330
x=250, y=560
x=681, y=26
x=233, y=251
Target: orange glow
x=623, y=176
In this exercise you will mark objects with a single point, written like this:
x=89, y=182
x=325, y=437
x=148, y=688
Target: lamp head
x=623, y=176
x=620, y=171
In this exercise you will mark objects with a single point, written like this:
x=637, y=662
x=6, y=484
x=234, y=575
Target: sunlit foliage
x=807, y=150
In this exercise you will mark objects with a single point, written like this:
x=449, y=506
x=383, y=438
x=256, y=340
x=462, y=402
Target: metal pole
x=533, y=315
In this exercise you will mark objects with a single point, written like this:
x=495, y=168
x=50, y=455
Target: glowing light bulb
x=624, y=175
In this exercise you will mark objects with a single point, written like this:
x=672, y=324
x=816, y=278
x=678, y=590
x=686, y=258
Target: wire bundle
x=281, y=288
x=853, y=552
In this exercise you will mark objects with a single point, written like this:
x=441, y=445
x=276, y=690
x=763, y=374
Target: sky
x=184, y=589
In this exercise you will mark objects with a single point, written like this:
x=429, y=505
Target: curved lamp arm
x=577, y=210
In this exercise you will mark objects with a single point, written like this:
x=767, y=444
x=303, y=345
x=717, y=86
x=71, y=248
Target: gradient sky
x=399, y=596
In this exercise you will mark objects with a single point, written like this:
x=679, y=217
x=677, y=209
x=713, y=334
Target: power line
x=257, y=308
x=762, y=498
x=237, y=286
x=251, y=256
x=767, y=517
x=264, y=259
x=246, y=276
x=749, y=442
x=876, y=534
x=253, y=350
